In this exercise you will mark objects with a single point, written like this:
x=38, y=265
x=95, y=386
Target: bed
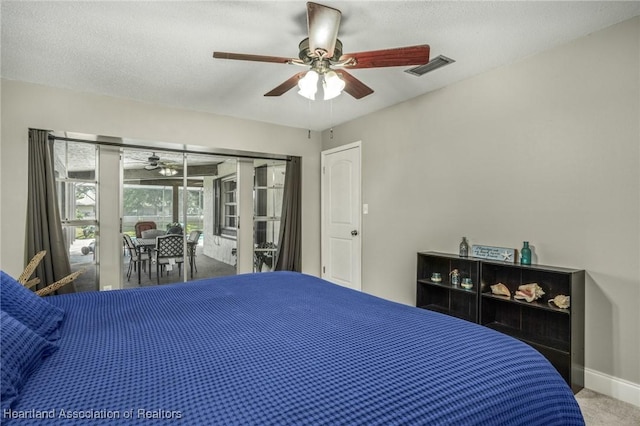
x=279, y=348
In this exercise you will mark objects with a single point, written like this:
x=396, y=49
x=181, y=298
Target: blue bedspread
x=283, y=348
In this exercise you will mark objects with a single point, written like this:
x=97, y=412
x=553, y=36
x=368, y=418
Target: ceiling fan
x=164, y=168
x=153, y=162
x=322, y=53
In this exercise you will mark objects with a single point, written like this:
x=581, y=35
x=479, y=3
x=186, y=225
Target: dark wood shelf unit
x=556, y=333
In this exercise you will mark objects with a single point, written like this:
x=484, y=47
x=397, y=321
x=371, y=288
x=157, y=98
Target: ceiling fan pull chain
x=331, y=118
x=309, y=116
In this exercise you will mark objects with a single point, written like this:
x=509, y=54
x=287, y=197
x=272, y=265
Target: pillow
x=29, y=308
x=22, y=353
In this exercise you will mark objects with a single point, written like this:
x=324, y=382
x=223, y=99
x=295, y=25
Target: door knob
x=354, y=232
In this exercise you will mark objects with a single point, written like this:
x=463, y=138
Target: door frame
x=109, y=247
x=323, y=232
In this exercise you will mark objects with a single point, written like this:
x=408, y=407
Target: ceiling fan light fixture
x=168, y=171
x=308, y=85
x=332, y=85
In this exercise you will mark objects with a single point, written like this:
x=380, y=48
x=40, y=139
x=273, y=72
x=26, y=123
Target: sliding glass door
x=268, y=192
x=178, y=193
x=76, y=167
x=116, y=201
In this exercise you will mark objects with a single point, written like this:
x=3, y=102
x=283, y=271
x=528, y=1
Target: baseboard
x=612, y=386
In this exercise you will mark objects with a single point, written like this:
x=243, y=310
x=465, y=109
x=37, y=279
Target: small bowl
x=467, y=283
x=436, y=277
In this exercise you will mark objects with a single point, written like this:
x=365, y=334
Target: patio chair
x=137, y=259
x=168, y=252
x=263, y=255
x=192, y=244
x=143, y=226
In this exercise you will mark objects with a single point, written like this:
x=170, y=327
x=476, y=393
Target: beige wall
x=27, y=105
x=544, y=150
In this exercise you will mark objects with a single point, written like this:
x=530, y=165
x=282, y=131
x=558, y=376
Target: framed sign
x=494, y=253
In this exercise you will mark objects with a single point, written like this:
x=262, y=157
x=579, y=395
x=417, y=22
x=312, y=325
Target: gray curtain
x=44, y=230
x=289, y=254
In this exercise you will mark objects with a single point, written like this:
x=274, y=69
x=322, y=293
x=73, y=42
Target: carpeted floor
x=601, y=410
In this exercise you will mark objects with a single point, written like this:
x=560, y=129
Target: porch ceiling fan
x=165, y=168
x=321, y=52
x=153, y=162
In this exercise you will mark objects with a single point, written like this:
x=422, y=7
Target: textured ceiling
x=161, y=52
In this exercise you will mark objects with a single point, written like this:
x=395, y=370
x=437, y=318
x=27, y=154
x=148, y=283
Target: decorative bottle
x=525, y=254
x=455, y=277
x=464, y=247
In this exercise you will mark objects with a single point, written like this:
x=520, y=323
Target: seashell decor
x=561, y=301
x=500, y=289
x=529, y=292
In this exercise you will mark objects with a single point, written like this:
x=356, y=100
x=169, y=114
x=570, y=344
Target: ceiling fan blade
x=256, y=58
x=287, y=85
x=401, y=56
x=323, y=23
x=353, y=86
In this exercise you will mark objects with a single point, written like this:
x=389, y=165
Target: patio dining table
x=149, y=243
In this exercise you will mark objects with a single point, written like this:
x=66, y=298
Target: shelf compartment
x=445, y=299
x=446, y=311
x=449, y=286
x=539, y=326
x=546, y=344
x=536, y=304
x=430, y=262
x=553, y=281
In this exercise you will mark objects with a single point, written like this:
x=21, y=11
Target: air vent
x=434, y=64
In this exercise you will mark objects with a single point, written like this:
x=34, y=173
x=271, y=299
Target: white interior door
x=341, y=239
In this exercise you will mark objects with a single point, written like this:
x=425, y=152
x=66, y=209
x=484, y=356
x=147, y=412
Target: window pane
x=195, y=208
x=85, y=200
x=147, y=203
x=268, y=192
x=74, y=160
x=228, y=208
x=81, y=241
